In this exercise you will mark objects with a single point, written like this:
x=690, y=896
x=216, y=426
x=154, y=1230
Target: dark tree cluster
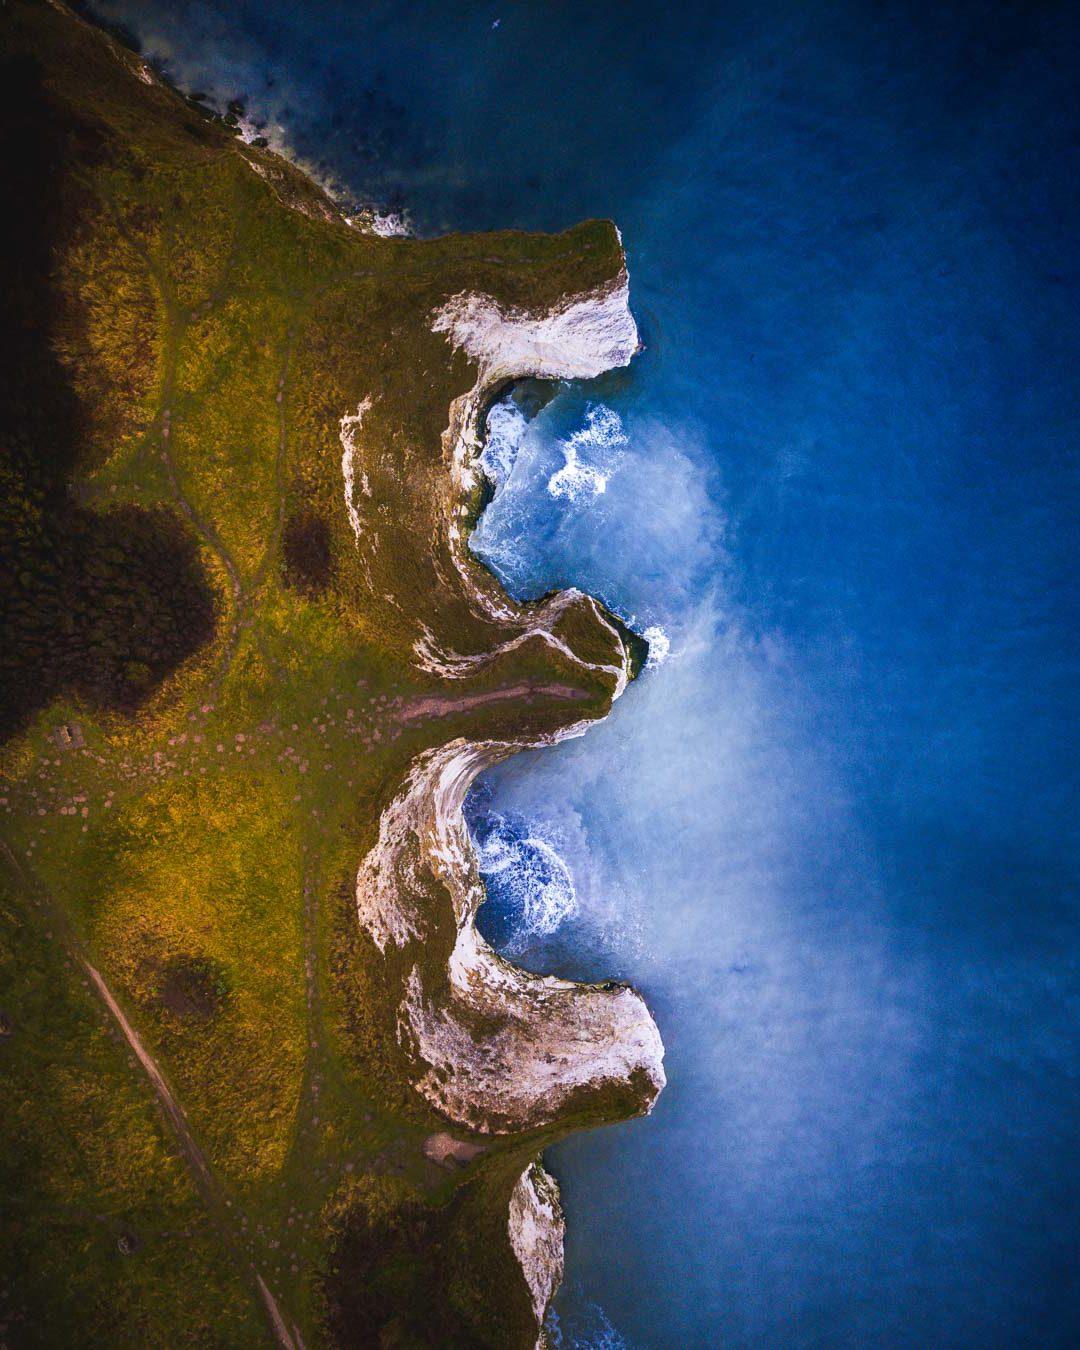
x=385, y=1277
x=193, y=988
x=308, y=559
x=104, y=605
x=406, y=1272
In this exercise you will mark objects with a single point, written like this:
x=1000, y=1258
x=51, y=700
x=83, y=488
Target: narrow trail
x=207, y=1184
x=156, y=441
x=43, y=794
x=445, y=705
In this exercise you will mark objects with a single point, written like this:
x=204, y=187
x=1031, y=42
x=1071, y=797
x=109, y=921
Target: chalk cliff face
x=493, y=1048
x=576, y=339
x=579, y=338
x=536, y=1227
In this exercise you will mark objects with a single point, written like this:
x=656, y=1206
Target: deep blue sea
x=832, y=835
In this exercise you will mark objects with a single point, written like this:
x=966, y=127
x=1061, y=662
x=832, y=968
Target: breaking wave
x=590, y=455
x=659, y=645
x=506, y=427
x=583, y=1326
x=530, y=890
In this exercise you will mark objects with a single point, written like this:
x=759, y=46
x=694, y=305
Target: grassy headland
x=182, y=586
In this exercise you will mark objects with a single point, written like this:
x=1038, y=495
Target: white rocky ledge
x=537, y=1228
x=493, y=1048
x=577, y=339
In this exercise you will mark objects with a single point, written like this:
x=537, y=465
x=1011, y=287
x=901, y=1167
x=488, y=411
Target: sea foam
x=506, y=428
x=659, y=645
x=530, y=888
x=582, y=1325
x=590, y=455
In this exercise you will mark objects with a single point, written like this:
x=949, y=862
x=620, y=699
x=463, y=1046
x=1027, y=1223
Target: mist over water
x=832, y=837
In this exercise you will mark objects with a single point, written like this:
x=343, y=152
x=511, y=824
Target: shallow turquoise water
x=833, y=834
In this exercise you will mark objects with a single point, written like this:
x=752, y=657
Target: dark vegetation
x=393, y=1264
x=193, y=987
x=100, y=604
x=308, y=559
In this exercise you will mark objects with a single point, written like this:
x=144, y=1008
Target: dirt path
x=443, y=705
x=206, y=1182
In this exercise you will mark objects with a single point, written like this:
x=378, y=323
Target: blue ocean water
x=833, y=834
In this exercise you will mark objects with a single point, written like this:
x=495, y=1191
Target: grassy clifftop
x=183, y=590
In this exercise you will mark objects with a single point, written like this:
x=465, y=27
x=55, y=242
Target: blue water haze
x=832, y=835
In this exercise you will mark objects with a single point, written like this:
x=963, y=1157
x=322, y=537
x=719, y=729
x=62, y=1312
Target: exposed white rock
x=493, y=1048
x=536, y=624
x=386, y=913
x=579, y=338
x=537, y=1229
x=350, y=425
x=386, y=224
x=543, y=1040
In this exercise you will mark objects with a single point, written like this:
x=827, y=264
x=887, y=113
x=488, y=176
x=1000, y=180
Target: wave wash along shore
x=259, y=844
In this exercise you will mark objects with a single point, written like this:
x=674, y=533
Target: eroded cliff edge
x=261, y=848
x=494, y=1049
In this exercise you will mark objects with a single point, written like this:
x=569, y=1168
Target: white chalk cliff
x=493, y=1048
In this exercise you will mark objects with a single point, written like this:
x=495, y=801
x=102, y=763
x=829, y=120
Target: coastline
x=259, y=148
x=561, y=1049
x=830, y=841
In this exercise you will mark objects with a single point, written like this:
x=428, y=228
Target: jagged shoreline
x=553, y=1043
x=492, y=1048
x=565, y=1043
